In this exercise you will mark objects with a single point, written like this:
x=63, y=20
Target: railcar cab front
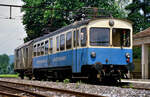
x=110, y=46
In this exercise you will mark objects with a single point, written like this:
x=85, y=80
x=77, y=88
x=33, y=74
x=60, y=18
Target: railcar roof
x=71, y=26
x=25, y=44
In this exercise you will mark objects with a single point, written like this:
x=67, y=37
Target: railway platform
x=141, y=81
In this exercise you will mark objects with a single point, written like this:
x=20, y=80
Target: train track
x=135, y=85
x=30, y=89
x=8, y=94
x=12, y=91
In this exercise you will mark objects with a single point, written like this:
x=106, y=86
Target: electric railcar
x=96, y=49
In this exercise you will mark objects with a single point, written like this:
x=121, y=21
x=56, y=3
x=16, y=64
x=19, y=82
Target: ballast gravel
x=110, y=91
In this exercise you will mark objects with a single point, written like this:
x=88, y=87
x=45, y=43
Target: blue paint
x=115, y=56
x=77, y=58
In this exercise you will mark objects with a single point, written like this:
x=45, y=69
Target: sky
x=12, y=31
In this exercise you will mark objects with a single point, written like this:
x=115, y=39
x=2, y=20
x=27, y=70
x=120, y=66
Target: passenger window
x=38, y=50
x=69, y=40
x=62, y=42
x=34, y=50
x=57, y=43
x=76, y=38
x=83, y=36
x=46, y=47
x=51, y=46
x=42, y=48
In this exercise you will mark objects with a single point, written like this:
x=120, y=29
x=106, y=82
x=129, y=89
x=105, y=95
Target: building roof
x=144, y=33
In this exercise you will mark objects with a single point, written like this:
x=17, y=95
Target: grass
x=66, y=81
x=128, y=86
x=9, y=75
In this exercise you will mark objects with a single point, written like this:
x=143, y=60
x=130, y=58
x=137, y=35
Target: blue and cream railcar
x=96, y=48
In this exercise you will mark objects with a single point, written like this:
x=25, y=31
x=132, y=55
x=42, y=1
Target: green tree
x=42, y=18
x=4, y=62
x=139, y=14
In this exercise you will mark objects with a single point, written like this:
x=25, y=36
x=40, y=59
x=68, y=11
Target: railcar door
x=76, y=54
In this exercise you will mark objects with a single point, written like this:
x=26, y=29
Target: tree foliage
x=40, y=18
x=4, y=62
x=140, y=16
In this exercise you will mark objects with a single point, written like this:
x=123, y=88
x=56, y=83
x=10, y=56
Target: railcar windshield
x=99, y=36
x=120, y=37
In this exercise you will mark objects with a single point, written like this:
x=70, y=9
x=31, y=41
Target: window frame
x=86, y=36
x=42, y=49
x=45, y=47
x=70, y=40
x=38, y=49
x=51, y=45
x=76, y=44
x=100, y=45
x=129, y=37
x=34, y=50
x=62, y=35
x=57, y=41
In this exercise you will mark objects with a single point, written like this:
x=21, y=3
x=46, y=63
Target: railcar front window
x=99, y=36
x=120, y=37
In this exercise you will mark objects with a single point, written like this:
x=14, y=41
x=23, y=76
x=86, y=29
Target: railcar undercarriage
x=89, y=73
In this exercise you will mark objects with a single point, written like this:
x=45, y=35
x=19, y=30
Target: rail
x=11, y=90
x=63, y=91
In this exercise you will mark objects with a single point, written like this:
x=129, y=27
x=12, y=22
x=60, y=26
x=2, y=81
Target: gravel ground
x=110, y=91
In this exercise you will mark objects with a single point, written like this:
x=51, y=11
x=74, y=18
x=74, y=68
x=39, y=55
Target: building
x=142, y=39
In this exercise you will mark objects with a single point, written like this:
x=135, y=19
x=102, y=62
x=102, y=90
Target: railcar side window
x=99, y=36
x=69, y=40
x=120, y=37
x=17, y=57
x=46, y=47
x=83, y=36
x=76, y=38
x=51, y=46
x=42, y=48
x=62, y=42
x=34, y=50
x=17, y=54
x=38, y=50
x=57, y=43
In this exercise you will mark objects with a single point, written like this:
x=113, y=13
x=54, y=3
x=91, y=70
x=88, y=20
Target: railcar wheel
x=30, y=77
x=21, y=75
x=92, y=77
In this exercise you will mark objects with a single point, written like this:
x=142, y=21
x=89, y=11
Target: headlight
x=93, y=54
x=127, y=55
